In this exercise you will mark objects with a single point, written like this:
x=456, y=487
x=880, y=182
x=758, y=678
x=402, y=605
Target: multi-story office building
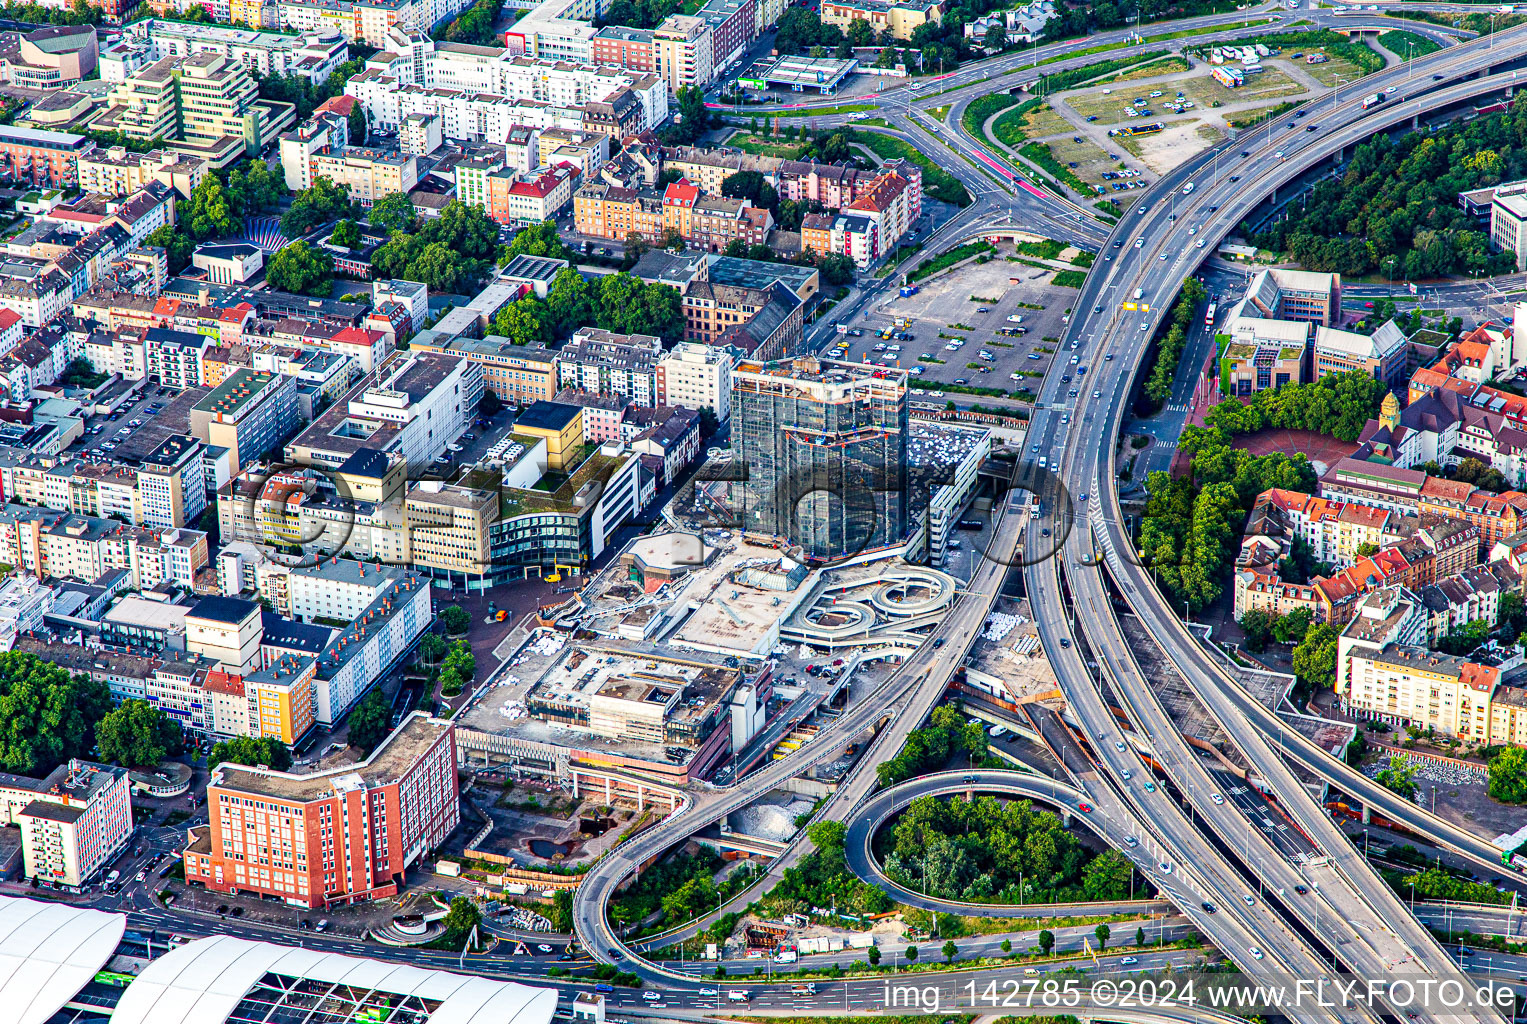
x=517, y=374
x=250, y=413
x=226, y=630
x=73, y=822
x=448, y=529
x=48, y=58
x=825, y=445
x=697, y=377
x=172, y=483
x=1278, y=294
x=1508, y=221
x=629, y=48
x=341, y=836
x=1383, y=355
x=204, y=104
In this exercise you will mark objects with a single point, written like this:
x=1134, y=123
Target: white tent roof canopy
x=48, y=952
x=203, y=982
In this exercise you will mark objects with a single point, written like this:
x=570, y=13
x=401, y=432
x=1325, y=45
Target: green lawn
x=937, y=182
x=1408, y=45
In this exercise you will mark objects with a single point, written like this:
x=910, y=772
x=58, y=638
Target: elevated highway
x=1159, y=246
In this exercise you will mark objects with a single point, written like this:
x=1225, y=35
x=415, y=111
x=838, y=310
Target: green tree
x=1102, y=932
x=46, y=717
x=370, y=721
x=1257, y=624
x=1399, y=777
x=540, y=239
x=521, y=321
x=455, y=619
x=1140, y=937
x=432, y=647
x=569, y=303
x=1046, y=941
x=835, y=268
x=357, y=125
x=346, y=233
x=949, y=950
x=1007, y=945
x=462, y=916
x=209, y=214
x=1291, y=628
x=1508, y=776
x=321, y=202
x=135, y=734
x=1107, y=876
x=911, y=954
x=177, y=246
x=393, y=212
x=874, y=955
x=302, y=270
x=562, y=911
x=250, y=752
x=1314, y=659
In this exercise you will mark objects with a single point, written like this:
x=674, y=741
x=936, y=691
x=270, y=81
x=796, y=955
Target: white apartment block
x=336, y=588
x=381, y=633
x=557, y=30
x=696, y=376
x=313, y=56
x=73, y=822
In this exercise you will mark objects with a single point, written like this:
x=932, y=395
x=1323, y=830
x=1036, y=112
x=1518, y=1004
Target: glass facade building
x=824, y=446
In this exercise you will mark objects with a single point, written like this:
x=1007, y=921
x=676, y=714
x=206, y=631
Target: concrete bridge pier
x=1367, y=815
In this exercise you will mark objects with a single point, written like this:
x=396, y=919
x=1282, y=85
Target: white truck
x=737, y=995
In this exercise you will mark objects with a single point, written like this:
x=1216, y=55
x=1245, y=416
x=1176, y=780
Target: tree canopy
x=393, y=212
x=977, y=851
x=301, y=269
x=474, y=25
x=323, y=201
x=46, y=717
x=449, y=253
x=247, y=750
x=1337, y=405
x=135, y=734
x=946, y=734
x=1508, y=776
x=1394, y=210
x=614, y=302
x=370, y=721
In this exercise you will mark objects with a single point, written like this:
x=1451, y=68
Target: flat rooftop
x=387, y=763
x=230, y=397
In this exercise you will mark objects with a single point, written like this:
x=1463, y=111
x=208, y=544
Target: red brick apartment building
x=341, y=836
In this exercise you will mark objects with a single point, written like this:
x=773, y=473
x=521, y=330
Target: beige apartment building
x=900, y=18
x=697, y=377
x=682, y=51
x=117, y=172
x=369, y=174
x=227, y=630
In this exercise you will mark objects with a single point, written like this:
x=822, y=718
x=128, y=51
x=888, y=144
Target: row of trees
x=1169, y=346
x=266, y=750
x=614, y=302
x=1261, y=626
x=1337, y=405
x=1395, y=209
x=998, y=851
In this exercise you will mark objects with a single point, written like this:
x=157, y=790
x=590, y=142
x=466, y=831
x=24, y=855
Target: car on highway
x=1392, y=88
x=1301, y=890
x=1129, y=960
x=1131, y=841
x=1166, y=867
x=1217, y=798
x=1200, y=243
x=1045, y=533
x=1084, y=807
x=1254, y=951
x=1097, y=309
x=709, y=992
x=1249, y=900
x=1120, y=745
x=543, y=947
x=1436, y=78
x=1126, y=774
x=602, y=987
x=1163, y=256
x=1312, y=127
x=1150, y=787
x=1097, y=394
x=1235, y=177
x=1139, y=242
x=1064, y=641
x=1208, y=907
x=1291, y=126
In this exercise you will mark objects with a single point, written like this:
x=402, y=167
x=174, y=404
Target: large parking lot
x=955, y=322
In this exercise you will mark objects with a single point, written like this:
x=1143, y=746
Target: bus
x=1137, y=129
x=1210, y=313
